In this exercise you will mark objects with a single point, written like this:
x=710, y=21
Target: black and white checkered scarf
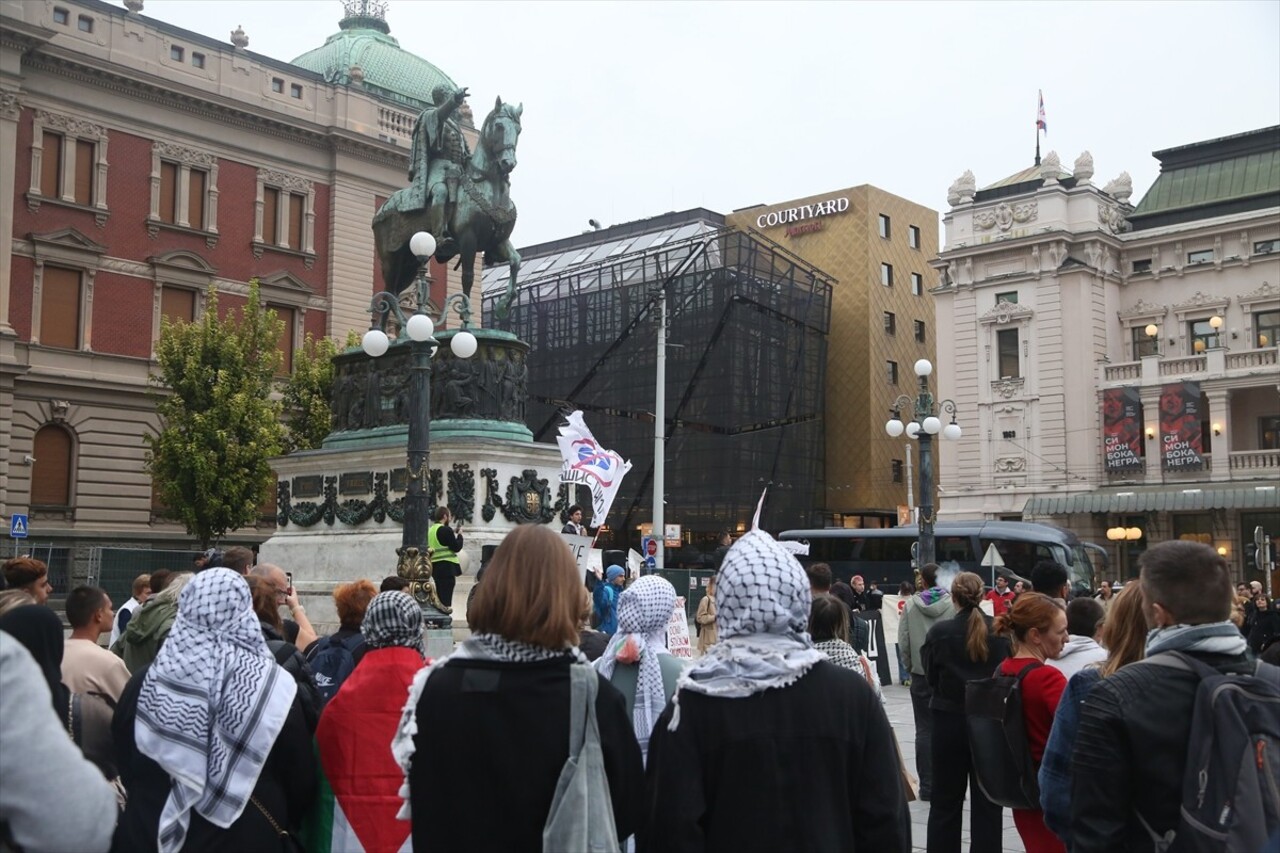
x=762, y=612
x=393, y=619
x=211, y=705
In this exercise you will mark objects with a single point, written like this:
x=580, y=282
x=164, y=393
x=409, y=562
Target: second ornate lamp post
x=924, y=426
x=414, y=563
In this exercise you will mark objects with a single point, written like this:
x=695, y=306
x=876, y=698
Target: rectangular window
x=176, y=53
x=197, y=60
x=1007, y=349
x=885, y=226
x=886, y=275
x=295, y=91
x=1269, y=432
x=61, y=16
x=60, y=308
x=1266, y=328
x=896, y=468
x=277, y=85
x=85, y=23
x=270, y=215
x=917, y=284
x=1266, y=247
x=297, y=203
x=1202, y=336
x=178, y=304
x=1194, y=527
x=891, y=372
x=1143, y=265
x=286, y=338
x=890, y=323
x=920, y=330
x=86, y=155
x=1144, y=344
x=168, y=192
x=1011, y=297
x=1203, y=256
x=913, y=236
x=198, y=181
x=51, y=164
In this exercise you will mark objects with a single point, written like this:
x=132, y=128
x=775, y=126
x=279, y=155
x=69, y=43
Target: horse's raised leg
x=507, y=252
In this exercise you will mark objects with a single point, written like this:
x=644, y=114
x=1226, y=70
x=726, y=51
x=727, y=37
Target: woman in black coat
x=1266, y=625
x=211, y=739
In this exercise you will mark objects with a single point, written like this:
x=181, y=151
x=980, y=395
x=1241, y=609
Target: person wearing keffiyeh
x=636, y=660
x=215, y=752
x=767, y=745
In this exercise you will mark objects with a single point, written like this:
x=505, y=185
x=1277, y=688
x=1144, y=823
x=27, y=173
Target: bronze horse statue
x=480, y=221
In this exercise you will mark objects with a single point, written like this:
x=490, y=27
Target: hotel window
x=1010, y=297
x=184, y=189
x=886, y=275
x=896, y=467
x=60, y=300
x=85, y=24
x=295, y=91
x=176, y=53
x=1266, y=328
x=1203, y=256
x=285, y=217
x=890, y=323
x=1269, y=432
x=920, y=330
x=53, y=450
x=917, y=284
x=277, y=85
x=177, y=304
x=197, y=60
x=1007, y=354
x=1144, y=344
x=1202, y=336
x=891, y=372
x=885, y=226
x=913, y=236
x=68, y=163
x=61, y=16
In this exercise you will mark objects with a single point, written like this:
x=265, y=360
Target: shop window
x=913, y=236
x=60, y=292
x=1009, y=366
x=51, y=472
x=1266, y=328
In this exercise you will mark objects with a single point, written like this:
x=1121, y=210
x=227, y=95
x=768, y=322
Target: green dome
x=364, y=40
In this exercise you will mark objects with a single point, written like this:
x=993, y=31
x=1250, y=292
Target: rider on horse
x=437, y=161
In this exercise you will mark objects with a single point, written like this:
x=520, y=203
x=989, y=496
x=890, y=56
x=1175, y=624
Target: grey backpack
x=1231, y=787
x=581, y=813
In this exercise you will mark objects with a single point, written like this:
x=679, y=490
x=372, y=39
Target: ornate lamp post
x=414, y=563
x=924, y=426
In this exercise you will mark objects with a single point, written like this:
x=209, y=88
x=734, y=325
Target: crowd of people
x=215, y=724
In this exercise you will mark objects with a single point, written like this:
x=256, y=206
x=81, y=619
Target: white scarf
x=762, y=611
x=644, y=611
x=477, y=647
x=211, y=705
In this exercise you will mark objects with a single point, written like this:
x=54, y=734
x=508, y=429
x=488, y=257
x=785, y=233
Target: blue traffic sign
x=18, y=527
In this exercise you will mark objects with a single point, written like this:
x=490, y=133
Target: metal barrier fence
x=58, y=559
x=114, y=569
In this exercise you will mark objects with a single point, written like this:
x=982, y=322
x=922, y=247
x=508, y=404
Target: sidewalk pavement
x=898, y=707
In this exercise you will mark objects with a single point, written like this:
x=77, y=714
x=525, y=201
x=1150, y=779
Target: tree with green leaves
x=219, y=423
x=308, y=395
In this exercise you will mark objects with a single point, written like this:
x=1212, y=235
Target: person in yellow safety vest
x=445, y=542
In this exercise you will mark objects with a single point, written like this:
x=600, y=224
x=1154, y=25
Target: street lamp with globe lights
x=414, y=563
x=924, y=426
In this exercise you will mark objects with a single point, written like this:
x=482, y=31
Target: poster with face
x=1181, y=447
x=1122, y=429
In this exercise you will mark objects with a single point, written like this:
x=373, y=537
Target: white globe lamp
x=464, y=344
x=420, y=327
x=894, y=427
x=951, y=432
x=923, y=367
x=932, y=425
x=375, y=342
x=422, y=244
x=913, y=429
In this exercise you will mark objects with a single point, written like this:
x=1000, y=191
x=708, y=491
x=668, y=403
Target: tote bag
x=581, y=815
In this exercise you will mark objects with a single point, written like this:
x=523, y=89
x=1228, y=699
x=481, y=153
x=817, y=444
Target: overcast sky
x=635, y=109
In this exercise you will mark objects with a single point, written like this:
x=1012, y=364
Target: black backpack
x=1002, y=760
x=332, y=661
x=1231, y=785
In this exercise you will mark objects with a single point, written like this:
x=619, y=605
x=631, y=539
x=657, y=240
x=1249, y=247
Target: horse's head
x=499, y=134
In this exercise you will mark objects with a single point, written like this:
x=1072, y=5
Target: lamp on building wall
x=1121, y=533
x=1222, y=550
x=1217, y=428
x=414, y=563
x=1151, y=432
x=1152, y=330
x=924, y=426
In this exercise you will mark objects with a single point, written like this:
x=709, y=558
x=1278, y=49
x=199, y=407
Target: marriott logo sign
x=805, y=211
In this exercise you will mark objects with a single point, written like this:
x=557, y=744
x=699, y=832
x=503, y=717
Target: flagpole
x=1039, y=99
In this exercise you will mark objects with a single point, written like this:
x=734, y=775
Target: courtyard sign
x=803, y=212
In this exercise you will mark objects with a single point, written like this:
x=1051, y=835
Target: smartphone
x=289, y=577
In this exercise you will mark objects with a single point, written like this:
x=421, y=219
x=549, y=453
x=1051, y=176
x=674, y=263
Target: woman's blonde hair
x=1124, y=630
x=532, y=591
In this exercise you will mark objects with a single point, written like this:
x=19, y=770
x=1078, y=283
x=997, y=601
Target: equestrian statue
x=461, y=197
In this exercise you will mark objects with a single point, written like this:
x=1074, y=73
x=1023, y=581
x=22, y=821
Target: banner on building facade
x=1181, y=441
x=1122, y=429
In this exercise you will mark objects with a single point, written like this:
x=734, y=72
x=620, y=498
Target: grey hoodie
x=922, y=611
x=1078, y=653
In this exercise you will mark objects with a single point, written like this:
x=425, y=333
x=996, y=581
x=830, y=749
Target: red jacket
x=999, y=603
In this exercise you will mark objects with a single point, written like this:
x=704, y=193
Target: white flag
x=589, y=464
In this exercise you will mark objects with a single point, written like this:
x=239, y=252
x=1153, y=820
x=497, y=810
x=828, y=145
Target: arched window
x=51, y=471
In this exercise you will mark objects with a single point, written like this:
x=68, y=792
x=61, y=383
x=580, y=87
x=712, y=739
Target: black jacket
x=288, y=656
x=807, y=767
x=285, y=788
x=1130, y=753
x=1266, y=628
x=947, y=663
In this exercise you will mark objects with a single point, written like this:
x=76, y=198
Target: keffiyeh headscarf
x=393, y=619
x=644, y=611
x=762, y=611
x=211, y=705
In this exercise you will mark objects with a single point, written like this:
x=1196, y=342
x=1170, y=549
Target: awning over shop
x=1156, y=499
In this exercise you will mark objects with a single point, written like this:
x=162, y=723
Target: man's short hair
x=820, y=576
x=393, y=583
x=141, y=584
x=441, y=513
x=159, y=579
x=24, y=570
x=929, y=574
x=83, y=602
x=1083, y=616
x=1188, y=579
x=1049, y=577
x=572, y=510
x=237, y=558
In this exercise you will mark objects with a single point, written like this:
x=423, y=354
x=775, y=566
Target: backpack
x=1002, y=760
x=1231, y=785
x=332, y=661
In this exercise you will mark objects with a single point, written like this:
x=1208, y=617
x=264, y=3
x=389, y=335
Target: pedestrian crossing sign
x=18, y=527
